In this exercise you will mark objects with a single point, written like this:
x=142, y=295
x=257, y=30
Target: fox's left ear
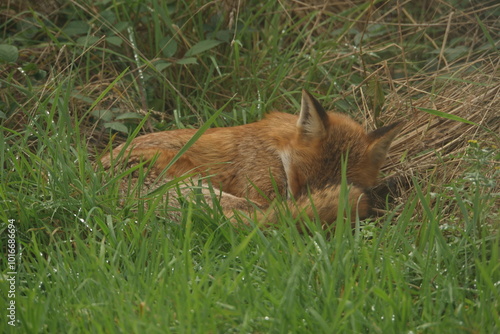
x=313, y=119
x=381, y=140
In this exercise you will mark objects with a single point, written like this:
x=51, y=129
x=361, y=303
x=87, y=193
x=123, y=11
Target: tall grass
x=86, y=74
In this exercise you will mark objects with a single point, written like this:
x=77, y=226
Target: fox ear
x=381, y=140
x=313, y=119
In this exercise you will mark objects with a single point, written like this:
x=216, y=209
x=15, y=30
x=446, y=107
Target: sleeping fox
x=283, y=156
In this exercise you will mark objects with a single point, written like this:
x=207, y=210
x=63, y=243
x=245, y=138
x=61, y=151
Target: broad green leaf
x=168, y=46
x=105, y=115
x=129, y=115
x=75, y=28
x=8, y=53
x=161, y=65
x=117, y=126
x=202, y=47
x=187, y=61
x=121, y=26
x=87, y=40
x=114, y=40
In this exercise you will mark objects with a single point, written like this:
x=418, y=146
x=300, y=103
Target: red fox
x=296, y=158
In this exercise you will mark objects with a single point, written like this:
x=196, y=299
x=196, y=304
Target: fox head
x=314, y=157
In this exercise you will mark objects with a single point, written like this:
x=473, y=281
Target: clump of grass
x=79, y=77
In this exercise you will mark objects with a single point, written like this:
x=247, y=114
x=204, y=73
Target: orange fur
x=298, y=157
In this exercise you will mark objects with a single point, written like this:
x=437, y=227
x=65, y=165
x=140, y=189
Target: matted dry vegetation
x=433, y=146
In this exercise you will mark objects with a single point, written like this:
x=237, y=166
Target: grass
x=79, y=76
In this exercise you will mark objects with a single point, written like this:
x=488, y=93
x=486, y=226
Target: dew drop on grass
x=83, y=221
x=318, y=249
x=259, y=99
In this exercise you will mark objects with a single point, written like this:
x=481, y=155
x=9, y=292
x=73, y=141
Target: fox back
x=284, y=154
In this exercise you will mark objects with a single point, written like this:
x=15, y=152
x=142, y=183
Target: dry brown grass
x=433, y=147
